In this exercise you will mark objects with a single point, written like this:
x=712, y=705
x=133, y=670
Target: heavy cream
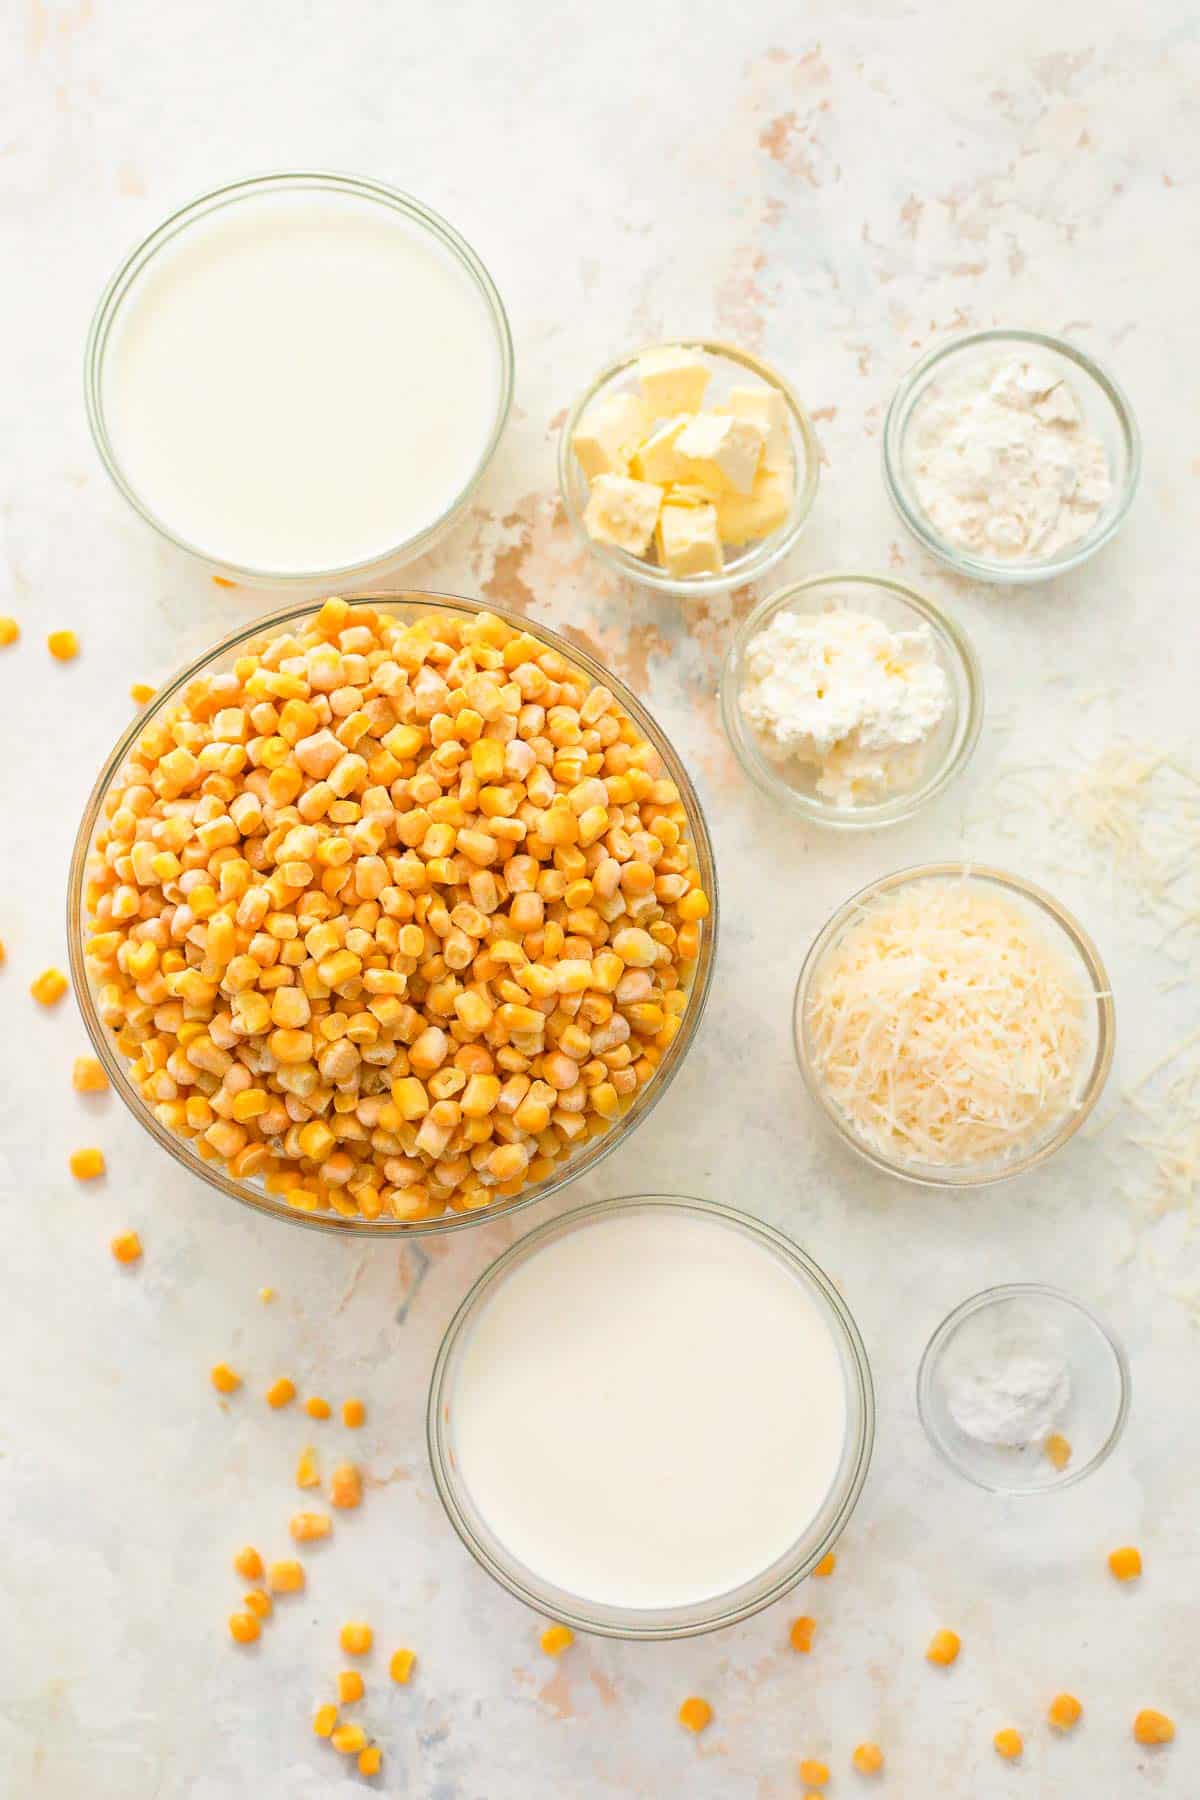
x=650, y=1409
x=301, y=381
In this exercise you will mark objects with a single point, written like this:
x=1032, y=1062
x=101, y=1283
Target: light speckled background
x=836, y=187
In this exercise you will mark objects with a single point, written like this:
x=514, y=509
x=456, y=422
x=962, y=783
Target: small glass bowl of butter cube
x=689, y=467
x=851, y=699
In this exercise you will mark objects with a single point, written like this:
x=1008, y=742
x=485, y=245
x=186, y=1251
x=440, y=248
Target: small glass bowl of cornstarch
x=1012, y=456
x=954, y=1024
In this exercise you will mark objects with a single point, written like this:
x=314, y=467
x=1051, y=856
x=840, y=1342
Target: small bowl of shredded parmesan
x=954, y=1024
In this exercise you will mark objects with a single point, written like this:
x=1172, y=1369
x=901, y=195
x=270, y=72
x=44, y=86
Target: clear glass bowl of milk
x=651, y=1417
x=300, y=378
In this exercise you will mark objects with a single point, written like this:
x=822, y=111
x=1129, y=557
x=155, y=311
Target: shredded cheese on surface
x=945, y=1027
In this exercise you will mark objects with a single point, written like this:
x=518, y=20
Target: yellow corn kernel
x=1064, y=1712
x=281, y=1393
x=126, y=1247
x=1008, y=1743
x=87, y=1076
x=49, y=987
x=354, y=1413
x=555, y=1639
x=1125, y=1563
x=813, y=1773
x=259, y=1602
x=142, y=693
x=356, y=1638
x=266, y=1295
x=306, y=1527
x=286, y=1577
x=1151, y=1727
x=943, y=1649
x=350, y=1686
x=244, y=1628
x=694, y=906
x=248, y=1563
x=87, y=1164
x=348, y=1739
x=345, y=1486
x=695, y=1714
x=827, y=1564
x=62, y=645
x=308, y=1473
x=370, y=1760
x=10, y=631
x=324, y=1720
x=867, y=1759
x=408, y=1094
x=224, y=1379
x=1057, y=1450
x=801, y=1635
x=316, y=1408
x=401, y=1666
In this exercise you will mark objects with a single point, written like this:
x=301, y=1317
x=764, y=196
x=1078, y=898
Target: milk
x=649, y=1410
x=301, y=382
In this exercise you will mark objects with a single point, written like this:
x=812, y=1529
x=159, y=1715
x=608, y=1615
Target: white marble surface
x=837, y=187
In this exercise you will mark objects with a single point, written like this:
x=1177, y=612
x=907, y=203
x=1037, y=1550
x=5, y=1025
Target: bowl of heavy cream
x=300, y=377
x=651, y=1417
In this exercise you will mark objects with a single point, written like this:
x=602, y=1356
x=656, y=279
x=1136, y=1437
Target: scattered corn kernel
x=370, y=1760
x=867, y=1759
x=1064, y=1712
x=126, y=1247
x=1125, y=1563
x=400, y=1668
x=316, y=1408
x=62, y=645
x=556, y=1638
x=243, y=1627
x=286, y=1577
x=10, y=631
x=350, y=1686
x=49, y=987
x=142, y=692
x=259, y=1602
x=86, y=1165
x=695, y=1714
x=87, y=1076
x=248, y=1563
x=356, y=1638
x=1151, y=1727
x=345, y=1486
x=281, y=1393
x=324, y=1720
x=1057, y=1450
x=815, y=1773
x=1008, y=1743
x=944, y=1647
x=353, y=1413
x=266, y=1295
x=348, y=1739
x=308, y=1472
x=801, y=1635
x=305, y=1526
x=827, y=1564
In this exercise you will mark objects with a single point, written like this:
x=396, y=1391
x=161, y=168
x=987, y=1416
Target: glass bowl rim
x=658, y=1624
x=981, y=1302
x=769, y=550
x=899, y=417
x=122, y=282
x=958, y=1177
x=574, y=1166
x=902, y=806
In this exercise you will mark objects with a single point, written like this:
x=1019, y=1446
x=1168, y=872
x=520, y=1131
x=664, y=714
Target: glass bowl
x=709, y=1614
x=1014, y=1316
x=729, y=366
x=1105, y=409
x=1056, y=925
x=419, y=219
x=901, y=608
x=406, y=604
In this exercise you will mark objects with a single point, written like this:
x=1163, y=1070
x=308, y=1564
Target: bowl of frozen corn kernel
x=690, y=467
x=389, y=913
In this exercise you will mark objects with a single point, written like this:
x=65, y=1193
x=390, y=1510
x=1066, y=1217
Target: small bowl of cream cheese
x=851, y=699
x=1011, y=455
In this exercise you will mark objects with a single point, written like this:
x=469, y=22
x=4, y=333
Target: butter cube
x=767, y=407
x=743, y=517
x=721, y=452
x=673, y=380
x=657, y=459
x=607, y=434
x=622, y=512
x=689, y=542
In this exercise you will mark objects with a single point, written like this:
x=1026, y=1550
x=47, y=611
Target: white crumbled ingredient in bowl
x=1013, y=1397
x=841, y=693
x=1004, y=465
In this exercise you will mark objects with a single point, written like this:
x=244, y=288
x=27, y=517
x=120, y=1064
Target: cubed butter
x=673, y=380
x=743, y=517
x=657, y=459
x=608, y=433
x=622, y=512
x=721, y=453
x=767, y=407
x=689, y=542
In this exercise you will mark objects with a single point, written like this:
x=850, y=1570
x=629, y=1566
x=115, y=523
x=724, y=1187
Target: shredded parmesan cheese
x=945, y=1027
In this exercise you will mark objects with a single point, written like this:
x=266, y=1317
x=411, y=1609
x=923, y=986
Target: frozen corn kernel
x=867, y=1759
x=1151, y=1727
x=944, y=1647
x=1125, y=1563
x=62, y=645
x=815, y=1773
x=801, y=1635
x=349, y=1739
x=286, y=1577
x=281, y=1393
x=370, y=1760
x=307, y=1526
x=356, y=1638
x=243, y=1627
x=345, y=1486
x=353, y=1414
x=400, y=1667
x=266, y=1295
x=49, y=987
x=556, y=1638
x=827, y=1564
x=248, y=1563
x=87, y=1076
x=259, y=1602
x=695, y=1714
x=316, y=1408
x=1064, y=1712
x=10, y=631
x=86, y=1165
x=324, y=1720
x=1008, y=1743
x=1057, y=1450
x=350, y=1686
x=308, y=1471
x=126, y=1247
x=142, y=693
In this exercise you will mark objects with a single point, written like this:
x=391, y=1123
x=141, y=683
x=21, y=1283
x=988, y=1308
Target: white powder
x=1013, y=1396
x=1004, y=465
x=841, y=693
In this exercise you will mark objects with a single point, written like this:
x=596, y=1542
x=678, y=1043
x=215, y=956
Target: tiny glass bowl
x=1106, y=413
x=900, y=608
x=1017, y=1320
x=1057, y=927
x=648, y=1623
x=744, y=563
